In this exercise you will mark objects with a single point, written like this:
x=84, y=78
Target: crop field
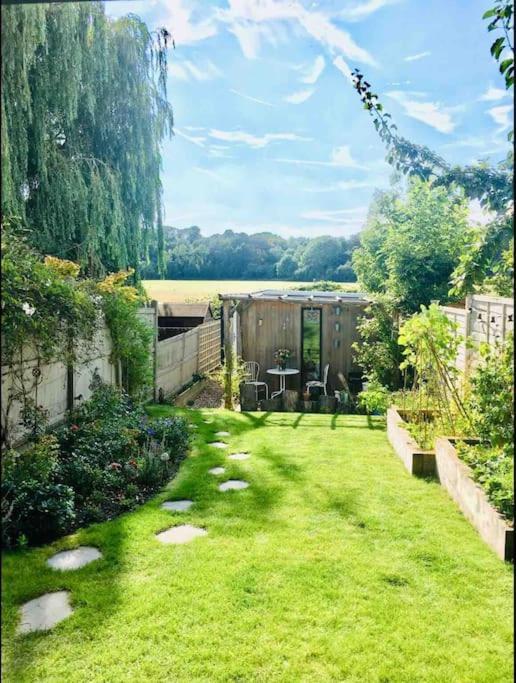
x=195, y=290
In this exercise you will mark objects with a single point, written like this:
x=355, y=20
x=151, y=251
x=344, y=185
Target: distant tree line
x=265, y=256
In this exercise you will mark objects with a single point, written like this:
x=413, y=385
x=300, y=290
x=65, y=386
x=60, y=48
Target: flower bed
x=418, y=461
x=107, y=459
x=458, y=479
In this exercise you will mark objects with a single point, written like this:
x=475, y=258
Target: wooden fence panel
x=209, y=346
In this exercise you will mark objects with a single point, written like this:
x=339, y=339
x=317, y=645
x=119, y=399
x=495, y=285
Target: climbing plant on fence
x=49, y=311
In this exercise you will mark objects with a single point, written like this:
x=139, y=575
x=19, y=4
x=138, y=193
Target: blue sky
x=269, y=133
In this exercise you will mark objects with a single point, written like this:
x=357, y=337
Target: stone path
x=238, y=456
x=181, y=534
x=217, y=470
x=45, y=612
x=74, y=559
x=42, y=613
x=177, y=505
x=233, y=485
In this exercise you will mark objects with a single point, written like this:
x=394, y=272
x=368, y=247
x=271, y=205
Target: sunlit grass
x=334, y=565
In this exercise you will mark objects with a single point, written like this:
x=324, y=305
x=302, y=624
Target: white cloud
x=187, y=70
x=341, y=65
x=353, y=215
x=501, y=115
x=246, y=19
x=311, y=75
x=477, y=214
x=178, y=20
x=300, y=96
x=211, y=174
x=430, y=113
x=251, y=99
x=254, y=141
x=341, y=156
x=420, y=55
x=493, y=94
x=198, y=141
x=364, y=9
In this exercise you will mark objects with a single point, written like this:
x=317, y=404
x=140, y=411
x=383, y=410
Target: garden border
x=457, y=478
x=418, y=461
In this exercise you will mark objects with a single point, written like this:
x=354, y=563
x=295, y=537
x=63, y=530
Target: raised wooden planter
x=327, y=404
x=248, y=401
x=419, y=462
x=189, y=394
x=273, y=405
x=457, y=479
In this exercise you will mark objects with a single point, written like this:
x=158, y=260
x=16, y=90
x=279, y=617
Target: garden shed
x=176, y=318
x=317, y=327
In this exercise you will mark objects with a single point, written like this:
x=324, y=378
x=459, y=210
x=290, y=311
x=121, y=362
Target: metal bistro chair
x=317, y=383
x=252, y=371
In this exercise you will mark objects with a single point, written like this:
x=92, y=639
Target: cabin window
x=311, y=343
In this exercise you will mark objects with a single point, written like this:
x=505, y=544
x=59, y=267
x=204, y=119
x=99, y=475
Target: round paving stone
x=177, y=505
x=222, y=434
x=45, y=612
x=217, y=470
x=238, y=456
x=233, y=485
x=74, y=559
x=181, y=534
x=218, y=444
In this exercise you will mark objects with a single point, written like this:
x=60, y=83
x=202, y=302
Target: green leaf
x=505, y=65
x=497, y=47
x=489, y=13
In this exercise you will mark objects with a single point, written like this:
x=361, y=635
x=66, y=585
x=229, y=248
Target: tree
x=84, y=109
x=411, y=245
x=492, y=186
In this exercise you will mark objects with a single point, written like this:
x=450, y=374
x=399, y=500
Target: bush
x=375, y=399
x=492, y=395
x=107, y=458
x=35, y=506
x=493, y=469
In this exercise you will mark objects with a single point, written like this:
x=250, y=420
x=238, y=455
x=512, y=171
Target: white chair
x=252, y=371
x=317, y=383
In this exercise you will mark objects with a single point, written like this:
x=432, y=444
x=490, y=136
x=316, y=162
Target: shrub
x=492, y=395
x=493, y=469
x=35, y=506
x=375, y=399
x=107, y=458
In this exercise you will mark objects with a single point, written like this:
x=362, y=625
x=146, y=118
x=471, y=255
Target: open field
x=195, y=290
x=333, y=565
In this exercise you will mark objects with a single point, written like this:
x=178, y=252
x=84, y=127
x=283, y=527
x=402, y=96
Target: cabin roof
x=174, y=310
x=301, y=296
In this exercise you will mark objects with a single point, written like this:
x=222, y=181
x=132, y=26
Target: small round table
x=281, y=374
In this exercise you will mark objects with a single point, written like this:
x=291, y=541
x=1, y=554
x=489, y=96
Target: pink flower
x=115, y=466
x=74, y=428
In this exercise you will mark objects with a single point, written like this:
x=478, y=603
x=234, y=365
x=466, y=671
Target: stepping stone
x=207, y=421
x=218, y=444
x=74, y=559
x=45, y=612
x=177, y=505
x=233, y=485
x=239, y=456
x=217, y=470
x=181, y=534
x=194, y=427
x=222, y=434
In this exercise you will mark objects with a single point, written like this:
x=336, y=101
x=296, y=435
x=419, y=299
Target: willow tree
x=84, y=112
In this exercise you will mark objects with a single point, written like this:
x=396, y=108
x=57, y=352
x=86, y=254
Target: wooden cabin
x=317, y=327
x=174, y=319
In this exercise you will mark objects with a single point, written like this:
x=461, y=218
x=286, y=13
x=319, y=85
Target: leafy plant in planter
x=431, y=343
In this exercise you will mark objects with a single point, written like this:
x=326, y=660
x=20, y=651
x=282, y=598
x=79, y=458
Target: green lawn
x=194, y=290
x=334, y=565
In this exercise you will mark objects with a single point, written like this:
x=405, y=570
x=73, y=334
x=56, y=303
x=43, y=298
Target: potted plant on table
x=281, y=357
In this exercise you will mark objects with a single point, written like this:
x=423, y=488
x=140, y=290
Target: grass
x=194, y=290
x=334, y=565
